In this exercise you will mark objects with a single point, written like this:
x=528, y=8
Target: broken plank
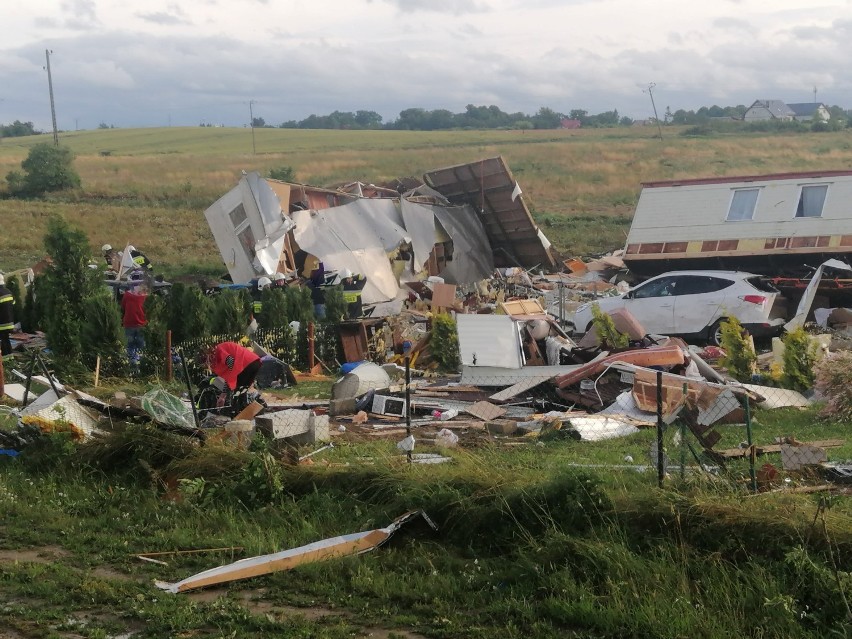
x=485, y=411
x=733, y=453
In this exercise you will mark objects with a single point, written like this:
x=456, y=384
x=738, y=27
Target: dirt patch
x=42, y=555
x=253, y=601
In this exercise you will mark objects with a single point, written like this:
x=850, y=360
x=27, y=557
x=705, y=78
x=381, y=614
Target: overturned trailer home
x=777, y=225
x=458, y=223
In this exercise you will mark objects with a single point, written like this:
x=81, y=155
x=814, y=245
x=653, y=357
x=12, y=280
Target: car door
x=652, y=303
x=698, y=302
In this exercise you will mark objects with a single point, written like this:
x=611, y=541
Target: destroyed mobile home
x=461, y=240
x=457, y=223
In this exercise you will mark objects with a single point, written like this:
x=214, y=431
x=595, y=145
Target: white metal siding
x=698, y=212
x=489, y=340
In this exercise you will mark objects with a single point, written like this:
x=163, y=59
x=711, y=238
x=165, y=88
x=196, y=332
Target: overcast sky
x=182, y=62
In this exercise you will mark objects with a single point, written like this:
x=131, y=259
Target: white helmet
x=345, y=273
x=263, y=282
x=279, y=276
x=106, y=247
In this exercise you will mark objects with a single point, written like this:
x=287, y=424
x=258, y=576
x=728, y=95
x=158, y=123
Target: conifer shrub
x=274, y=308
x=300, y=307
x=800, y=356
x=608, y=334
x=189, y=315
x=740, y=358
x=335, y=304
x=63, y=290
x=30, y=315
x=444, y=343
x=102, y=335
x=229, y=313
x=154, y=357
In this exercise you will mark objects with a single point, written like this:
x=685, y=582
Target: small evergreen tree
x=30, y=315
x=156, y=314
x=335, y=304
x=189, y=315
x=739, y=357
x=102, y=335
x=229, y=315
x=608, y=334
x=274, y=308
x=47, y=168
x=800, y=356
x=444, y=343
x=62, y=292
x=299, y=305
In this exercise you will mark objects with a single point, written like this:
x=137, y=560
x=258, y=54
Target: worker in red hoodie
x=134, y=321
x=234, y=363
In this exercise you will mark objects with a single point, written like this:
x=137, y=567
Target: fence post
x=408, y=401
x=169, y=370
x=661, y=469
x=683, y=438
x=310, y=346
x=752, y=452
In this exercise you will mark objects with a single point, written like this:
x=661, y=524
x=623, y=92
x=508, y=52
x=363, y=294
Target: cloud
x=453, y=7
x=160, y=17
x=79, y=15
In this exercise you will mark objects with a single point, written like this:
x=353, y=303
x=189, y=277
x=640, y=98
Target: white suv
x=693, y=304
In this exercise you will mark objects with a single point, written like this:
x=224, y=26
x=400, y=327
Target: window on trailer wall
x=742, y=205
x=811, y=201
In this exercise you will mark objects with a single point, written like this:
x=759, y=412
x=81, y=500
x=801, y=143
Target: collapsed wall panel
x=352, y=237
x=489, y=187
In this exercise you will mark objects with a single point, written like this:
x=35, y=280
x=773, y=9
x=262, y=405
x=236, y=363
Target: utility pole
x=814, y=93
x=651, y=86
x=251, y=124
x=47, y=53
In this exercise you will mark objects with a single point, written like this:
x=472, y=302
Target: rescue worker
x=257, y=298
x=134, y=321
x=111, y=257
x=316, y=282
x=7, y=317
x=234, y=363
x=353, y=285
x=141, y=262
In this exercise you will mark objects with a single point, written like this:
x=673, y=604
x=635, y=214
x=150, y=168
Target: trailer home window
x=742, y=205
x=811, y=201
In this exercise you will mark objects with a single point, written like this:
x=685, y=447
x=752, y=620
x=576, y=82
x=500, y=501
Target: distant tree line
x=17, y=129
x=473, y=117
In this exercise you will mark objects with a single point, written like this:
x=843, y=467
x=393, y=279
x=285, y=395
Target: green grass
x=527, y=546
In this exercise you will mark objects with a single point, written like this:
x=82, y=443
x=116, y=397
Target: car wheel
x=714, y=335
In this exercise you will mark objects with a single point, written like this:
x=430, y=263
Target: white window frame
x=799, y=199
x=753, y=209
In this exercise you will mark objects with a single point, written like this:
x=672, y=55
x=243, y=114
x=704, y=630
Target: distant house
x=570, y=124
x=769, y=110
x=761, y=223
x=807, y=111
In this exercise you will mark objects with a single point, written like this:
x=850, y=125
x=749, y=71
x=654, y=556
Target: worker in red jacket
x=234, y=363
x=7, y=317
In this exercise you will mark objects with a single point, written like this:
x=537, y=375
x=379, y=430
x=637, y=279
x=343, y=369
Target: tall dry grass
x=154, y=184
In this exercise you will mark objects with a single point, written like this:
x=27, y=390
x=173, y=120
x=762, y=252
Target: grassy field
x=154, y=184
